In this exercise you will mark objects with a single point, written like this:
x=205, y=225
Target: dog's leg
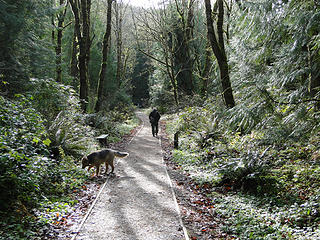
x=112, y=166
x=89, y=170
x=98, y=170
x=107, y=165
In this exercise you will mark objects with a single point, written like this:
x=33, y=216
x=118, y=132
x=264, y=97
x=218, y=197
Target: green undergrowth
x=262, y=189
x=249, y=217
x=40, y=156
x=30, y=173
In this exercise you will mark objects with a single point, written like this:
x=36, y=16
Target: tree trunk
x=188, y=38
x=86, y=9
x=206, y=71
x=169, y=56
x=219, y=51
x=82, y=28
x=61, y=18
x=105, y=48
x=173, y=81
x=58, y=56
x=182, y=50
x=225, y=82
x=83, y=77
x=53, y=38
x=118, y=16
x=74, y=70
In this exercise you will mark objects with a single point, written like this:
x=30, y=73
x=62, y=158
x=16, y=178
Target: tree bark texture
x=86, y=9
x=173, y=80
x=82, y=29
x=103, y=69
x=119, y=19
x=61, y=18
x=219, y=50
x=182, y=51
x=74, y=70
x=206, y=70
x=169, y=56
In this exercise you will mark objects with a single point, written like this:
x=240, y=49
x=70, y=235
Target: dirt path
x=138, y=202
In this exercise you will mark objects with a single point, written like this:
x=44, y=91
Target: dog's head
x=85, y=162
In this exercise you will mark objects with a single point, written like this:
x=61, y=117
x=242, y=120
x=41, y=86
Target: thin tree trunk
x=103, y=69
x=61, y=18
x=58, y=56
x=173, y=81
x=206, y=70
x=86, y=30
x=53, y=38
x=219, y=51
x=118, y=16
x=188, y=38
x=169, y=56
x=74, y=70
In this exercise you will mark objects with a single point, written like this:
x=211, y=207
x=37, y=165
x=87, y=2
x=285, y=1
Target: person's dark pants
x=154, y=129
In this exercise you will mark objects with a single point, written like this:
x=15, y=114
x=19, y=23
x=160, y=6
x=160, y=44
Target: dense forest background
x=239, y=81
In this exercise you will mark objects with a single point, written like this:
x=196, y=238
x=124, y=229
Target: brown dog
x=104, y=156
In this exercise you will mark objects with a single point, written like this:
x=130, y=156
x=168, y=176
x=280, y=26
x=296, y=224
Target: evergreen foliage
x=24, y=43
x=272, y=68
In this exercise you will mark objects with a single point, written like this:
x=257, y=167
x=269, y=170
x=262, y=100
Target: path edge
x=185, y=232
x=76, y=233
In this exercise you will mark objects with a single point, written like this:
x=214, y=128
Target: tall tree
x=62, y=10
x=81, y=12
x=12, y=22
x=205, y=72
x=119, y=11
x=182, y=37
x=74, y=70
x=25, y=47
x=156, y=32
x=105, y=48
x=219, y=50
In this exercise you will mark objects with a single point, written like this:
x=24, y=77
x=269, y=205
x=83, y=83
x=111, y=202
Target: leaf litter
x=197, y=209
x=65, y=226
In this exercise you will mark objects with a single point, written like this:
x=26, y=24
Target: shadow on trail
x=137, y=203
x=141, y=193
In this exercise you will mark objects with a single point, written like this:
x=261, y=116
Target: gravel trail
x=138, y=202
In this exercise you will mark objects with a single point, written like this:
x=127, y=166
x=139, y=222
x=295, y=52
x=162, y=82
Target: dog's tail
x=121, y=154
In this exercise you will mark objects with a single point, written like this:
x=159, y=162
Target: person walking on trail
x=154, y=117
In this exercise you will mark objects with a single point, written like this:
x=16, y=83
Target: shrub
x=250, y=172
x=64, y=119
x=69, y=132
x=29, y=173
x=50, y=98
x=24, y=151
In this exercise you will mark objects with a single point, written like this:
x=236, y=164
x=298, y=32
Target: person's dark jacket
x=154, y=117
